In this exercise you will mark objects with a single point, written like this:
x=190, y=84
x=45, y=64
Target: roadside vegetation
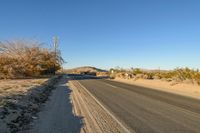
x=22, y=59
x=178, y=75
x=28, y=67
x=21, y=100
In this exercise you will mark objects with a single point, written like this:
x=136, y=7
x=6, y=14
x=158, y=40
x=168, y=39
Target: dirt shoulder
x=95, y=118
x=20, y=101
x=184, y=89
x=56, y=116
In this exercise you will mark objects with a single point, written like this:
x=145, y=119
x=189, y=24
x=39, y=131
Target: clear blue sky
x=110, y=33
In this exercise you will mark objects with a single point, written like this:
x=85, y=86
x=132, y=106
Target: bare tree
x=22, y=58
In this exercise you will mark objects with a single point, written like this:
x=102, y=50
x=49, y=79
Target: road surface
x=144, y=110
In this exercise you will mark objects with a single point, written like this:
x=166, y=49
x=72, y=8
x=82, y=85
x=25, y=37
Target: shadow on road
x=84, y=77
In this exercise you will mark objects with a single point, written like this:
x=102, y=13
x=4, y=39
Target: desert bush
x=27, y=59
x=149, y=75
x=185, y=75
x=136, y=71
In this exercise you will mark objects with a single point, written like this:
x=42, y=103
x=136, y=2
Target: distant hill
x=84, y=69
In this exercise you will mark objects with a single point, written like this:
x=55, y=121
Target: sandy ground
x=52, y=106
x=70, y=109
x=16, y=87
x=95, y=118
x=20, y=100
x=184, y=89
x=57, y=116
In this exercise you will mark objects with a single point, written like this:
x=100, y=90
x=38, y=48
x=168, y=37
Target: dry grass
x=21, y=99
x=175, y=76
x=17, y=87
x=19, y=59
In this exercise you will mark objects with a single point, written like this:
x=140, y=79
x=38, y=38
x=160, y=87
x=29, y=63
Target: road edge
x=105, y=109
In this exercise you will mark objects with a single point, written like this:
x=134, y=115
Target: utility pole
x=55, y=46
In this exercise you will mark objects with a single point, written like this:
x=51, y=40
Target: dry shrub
x=21, y=58
x=178, y=74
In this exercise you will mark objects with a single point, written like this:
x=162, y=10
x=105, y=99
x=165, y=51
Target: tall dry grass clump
x=20, y=58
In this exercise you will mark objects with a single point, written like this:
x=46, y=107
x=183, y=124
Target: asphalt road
x=144, y=110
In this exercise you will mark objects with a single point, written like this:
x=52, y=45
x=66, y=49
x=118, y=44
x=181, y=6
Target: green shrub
x=136, y=71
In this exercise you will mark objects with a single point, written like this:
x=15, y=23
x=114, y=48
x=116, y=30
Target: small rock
x=34, y=117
